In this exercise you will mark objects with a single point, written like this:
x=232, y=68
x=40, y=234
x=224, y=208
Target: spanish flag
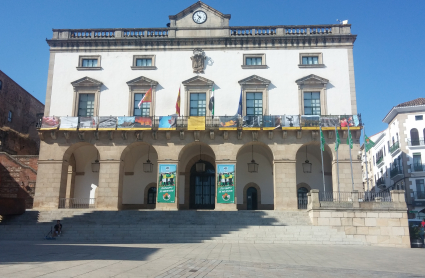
x=178, y=104
x=146, y=98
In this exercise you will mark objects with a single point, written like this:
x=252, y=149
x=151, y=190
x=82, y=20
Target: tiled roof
x=415, y=102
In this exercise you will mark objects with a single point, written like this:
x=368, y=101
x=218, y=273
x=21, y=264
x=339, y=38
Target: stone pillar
x=313, y=199
x=109, y=192
x=225, y=207
x=285, y=181
x=169, y=206
x=398, y=198
x=355, y=199
x=51, y=184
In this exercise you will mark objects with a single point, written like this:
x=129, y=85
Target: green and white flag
x=322, y=140
x=337, y=139
x=350, y=139
x=368, y=143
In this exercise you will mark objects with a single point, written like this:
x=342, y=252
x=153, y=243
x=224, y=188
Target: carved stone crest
x=198, y=60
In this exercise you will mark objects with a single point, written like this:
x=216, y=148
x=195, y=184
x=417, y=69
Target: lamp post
x=95, y=166
x=253, y=166
x=200, y=165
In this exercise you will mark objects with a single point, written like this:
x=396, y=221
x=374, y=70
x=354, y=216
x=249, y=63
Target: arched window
x=414, y=137
x=152, y=195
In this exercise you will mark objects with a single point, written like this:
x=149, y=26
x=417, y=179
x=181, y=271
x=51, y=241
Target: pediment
x=254, y=80
x=312, y=80
x=142, y=81
x=86, y=82
x=198, y=81
x=214, y=17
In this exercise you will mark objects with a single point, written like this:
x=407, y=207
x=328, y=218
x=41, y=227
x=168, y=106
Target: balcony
x=395, y=148
x=417, y=168
x=396, y=173
x=381, y=183
x=380, y=162
x=418, y=199
x=416, y=142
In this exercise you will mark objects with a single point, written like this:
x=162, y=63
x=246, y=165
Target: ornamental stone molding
x=142, y=81
x=198, y=60
x=312, y=80
x=198, y=81
x=255, y=80
x=86, y=82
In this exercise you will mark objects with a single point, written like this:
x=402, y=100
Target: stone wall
x=375, y=223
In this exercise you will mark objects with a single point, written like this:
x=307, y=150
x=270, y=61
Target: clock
x=199, y=17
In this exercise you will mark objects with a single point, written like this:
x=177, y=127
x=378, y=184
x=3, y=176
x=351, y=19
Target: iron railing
x=335, y=196
x=77, y=203
x=396, y=171
x=416, y=142
x=394, y=147
x=380, y=181
x=419, y=195
x=372, y=196
x=417, y=167
x=302, y=202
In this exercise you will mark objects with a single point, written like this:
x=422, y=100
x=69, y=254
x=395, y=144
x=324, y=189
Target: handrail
x=394, y=147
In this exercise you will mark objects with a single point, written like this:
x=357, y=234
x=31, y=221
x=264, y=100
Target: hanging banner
x=143, y=122
x=196, y=123
x=126, y=122
x=310, y=121
x=290, y=121
x=69, y=123
x=167, y=122
x=271, y=122
x=329, y=121
x=87, y=123
x=226, y=183
x=167, y=183
x=50, y=123
x=229, y=122
x=252, y=122
x=107, y=123
x=352, y=120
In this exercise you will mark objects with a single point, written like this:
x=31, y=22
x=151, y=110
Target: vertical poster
x=226, y=183
x=167, y=183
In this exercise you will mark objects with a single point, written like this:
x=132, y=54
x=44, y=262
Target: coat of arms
x=198, y=60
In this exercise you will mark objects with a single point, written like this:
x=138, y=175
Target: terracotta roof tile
x=415, y=102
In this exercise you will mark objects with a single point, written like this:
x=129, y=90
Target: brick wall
x=18, y=136
x=18, y=176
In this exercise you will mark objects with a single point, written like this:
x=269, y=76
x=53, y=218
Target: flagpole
x=349, y=149
x=321, y=153
x=337, y=163
x=365, y=155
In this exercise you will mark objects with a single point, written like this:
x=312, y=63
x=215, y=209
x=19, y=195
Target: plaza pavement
x=62, y=258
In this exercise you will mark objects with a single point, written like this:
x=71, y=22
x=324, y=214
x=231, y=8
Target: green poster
x=167, y=183
x=226, y=184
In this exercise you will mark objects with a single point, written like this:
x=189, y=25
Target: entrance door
x=302, y=198
x=202, y=187
x=251, y=195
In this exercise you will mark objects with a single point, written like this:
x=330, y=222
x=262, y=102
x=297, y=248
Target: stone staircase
x=149, y=226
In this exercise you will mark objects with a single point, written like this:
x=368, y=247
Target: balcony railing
x=268, y=122
x=418, y=195
x=415, y=142
x=417, y=167
x=385, y=196
x=335, y=197
x=394, y=147
x=77, y=203
x=379, y=161
x=348, y=197
x=380, y=181
x=396, y=171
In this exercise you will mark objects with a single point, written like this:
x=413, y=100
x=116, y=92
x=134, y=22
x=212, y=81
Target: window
x=1, y=84
x=197, y=104
x=89, y=63
x=86, y=105
x=9, y=116
x=144, y=109
x=420, y=190
x=419, y=118
x=311, y=60
x=417, y=162
x=254, y=61
x=414, y=137
x=311, y=103
x=152, y=195
x=143, y=62
x=254, y=104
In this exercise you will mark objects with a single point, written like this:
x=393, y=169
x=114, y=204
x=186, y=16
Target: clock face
x=199, y=17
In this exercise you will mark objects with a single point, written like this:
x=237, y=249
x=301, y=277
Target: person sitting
x=58, y=228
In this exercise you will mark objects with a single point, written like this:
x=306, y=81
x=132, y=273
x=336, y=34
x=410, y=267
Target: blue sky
x=388, y=53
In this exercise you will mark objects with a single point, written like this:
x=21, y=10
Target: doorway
x=302, y=198
x=202, y=187
x=252, y=199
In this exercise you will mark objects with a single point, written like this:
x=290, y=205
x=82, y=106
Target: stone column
x=313, y=199
x=225, y=207
x=109, y=193
x=285, y=189
x=51, y=175
x=169, y=206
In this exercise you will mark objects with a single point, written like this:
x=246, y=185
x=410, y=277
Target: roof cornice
x=399, y=110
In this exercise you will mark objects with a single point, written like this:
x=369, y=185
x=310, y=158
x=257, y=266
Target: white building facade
x=272, y=86
x=396, y=160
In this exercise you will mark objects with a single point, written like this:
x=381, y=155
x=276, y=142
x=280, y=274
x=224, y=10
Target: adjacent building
x=395, y=162
x=198, y=115
x=19, y=141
